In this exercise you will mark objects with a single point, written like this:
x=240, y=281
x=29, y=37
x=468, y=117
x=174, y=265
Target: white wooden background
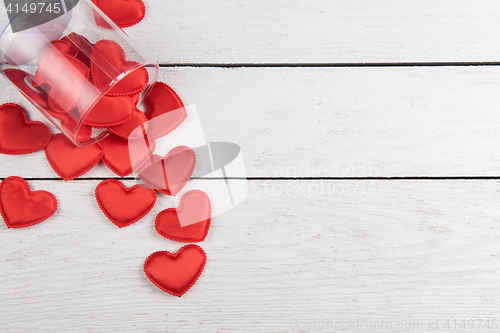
x=370, y=131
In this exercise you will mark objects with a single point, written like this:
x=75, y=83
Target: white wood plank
x=293, y=253
x=320, y=31
x=339, y=122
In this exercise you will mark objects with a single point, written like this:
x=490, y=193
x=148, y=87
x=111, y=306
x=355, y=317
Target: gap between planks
x=314, y=65
x=281, y=178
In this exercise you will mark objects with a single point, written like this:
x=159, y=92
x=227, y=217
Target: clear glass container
x=79, y=70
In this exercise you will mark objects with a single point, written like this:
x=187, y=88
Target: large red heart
x=109, y=63
x=21, y=207
x=126, y=129
x=124, y=206
x=19, y=136
x=67, y=77
x=70, y=161
x=116, y=154
x=165, y=111
x=124, y=13
x=188, y=223
x=171, y=173
x=176, y=273
x=109, y=111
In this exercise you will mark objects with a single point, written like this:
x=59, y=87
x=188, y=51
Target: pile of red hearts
x=68, y=74
x=117, y=112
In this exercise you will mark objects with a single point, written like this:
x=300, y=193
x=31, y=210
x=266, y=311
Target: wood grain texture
x=296, y=255
x=319, y=31
x=336, y=122
x=292, y=253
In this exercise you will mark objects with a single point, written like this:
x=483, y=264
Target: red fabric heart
x=116, y=155
x=171, y=173
x=109, y=111
x=80, y=47
x=20, y=78
x=125, y=129
x=21, y=207
x=124, y=206
x=124, y=13
x=108, y=59
x=19, y=136
x=176, y=273
x=188, y=223
x=67, y=77
x=165, y=111
x=70, y=161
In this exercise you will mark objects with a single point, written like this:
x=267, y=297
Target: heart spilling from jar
x=176, y=273
x=17, y=134
x=169, y=174
x=21, y=207
x=70, y=161
x=189, y=222
x=124, y=13
x=124, y=206
x=69, y=72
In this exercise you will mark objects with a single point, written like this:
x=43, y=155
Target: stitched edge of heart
x=136, y=92
x=99, y=126
x=108, y=93
x=27, y=122
x=118, y=133
x=175, y=239
x=31, y=191
x=121, y=25
x=133, y=99
x=175, y=254
x=171, y=90
x=164, y=191
x=128, y=189
x=110, y=167
x=149, y=110
x=66, y=179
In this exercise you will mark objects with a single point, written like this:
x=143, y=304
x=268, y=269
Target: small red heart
x=109, y=62
x=109, y=111
x=19, y=136
x=70, y=161
x=170, y=173
x=165, y=111
x=124, y=13
x=125, y=129
x=188, y=223
x=116, y=154
x=124, y=206
x=176, y=273
x=67, y=77
x=21, y=207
